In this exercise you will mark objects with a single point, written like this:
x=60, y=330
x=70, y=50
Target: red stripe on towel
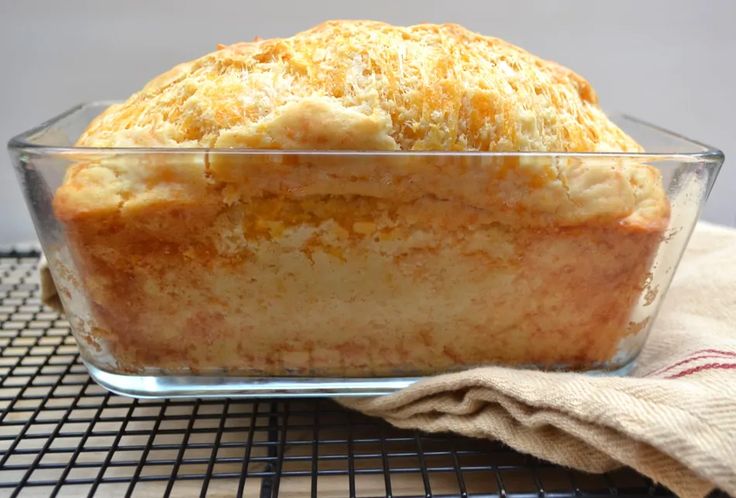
x=689, y=359
x=717, y=353
x=700, y=368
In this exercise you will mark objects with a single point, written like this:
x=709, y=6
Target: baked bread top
x=366, y=85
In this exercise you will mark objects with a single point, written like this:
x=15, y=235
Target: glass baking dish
x=235, y=272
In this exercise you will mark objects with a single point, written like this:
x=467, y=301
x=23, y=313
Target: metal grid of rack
x=62, y=435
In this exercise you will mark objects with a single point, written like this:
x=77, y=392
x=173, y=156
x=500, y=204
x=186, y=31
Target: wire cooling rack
x=62, y=435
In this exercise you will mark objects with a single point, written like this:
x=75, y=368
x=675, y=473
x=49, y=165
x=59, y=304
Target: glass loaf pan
x=232, y=272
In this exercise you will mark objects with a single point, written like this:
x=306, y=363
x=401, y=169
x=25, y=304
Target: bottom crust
x=260, y=290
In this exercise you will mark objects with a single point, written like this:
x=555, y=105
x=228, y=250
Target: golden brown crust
x=424, y=87
x=371, y=86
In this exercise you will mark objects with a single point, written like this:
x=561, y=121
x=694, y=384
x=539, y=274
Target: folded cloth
x=672, y=419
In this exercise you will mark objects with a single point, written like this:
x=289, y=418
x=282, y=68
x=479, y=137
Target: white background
x=671, y=62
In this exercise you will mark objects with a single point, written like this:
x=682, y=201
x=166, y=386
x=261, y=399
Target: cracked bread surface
x=362, y=263
x=366, y=85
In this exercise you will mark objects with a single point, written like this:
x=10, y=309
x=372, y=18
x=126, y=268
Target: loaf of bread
x=409, y=252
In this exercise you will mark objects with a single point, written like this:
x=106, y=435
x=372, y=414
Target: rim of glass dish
x=21, y=141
